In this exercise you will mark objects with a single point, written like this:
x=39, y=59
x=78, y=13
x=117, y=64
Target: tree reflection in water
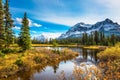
x=85, y=56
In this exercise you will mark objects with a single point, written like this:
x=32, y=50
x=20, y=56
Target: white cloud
x=49, y=35
x=70, y=21
x=31, y=23
x=110, y=3
x=111, y=6
x=18, y=20
x=95, y=11
x=37, y=25
x=33, y=31
x=16, y=28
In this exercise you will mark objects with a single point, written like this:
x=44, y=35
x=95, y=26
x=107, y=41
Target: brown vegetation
x=107, y=69
x=13, y=63
x=110, y=63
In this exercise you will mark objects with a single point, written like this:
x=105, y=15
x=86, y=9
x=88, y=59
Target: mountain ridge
x=107, y=26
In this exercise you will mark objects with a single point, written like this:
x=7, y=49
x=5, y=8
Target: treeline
x=94, y=38
x=7, y=36
x=99, y=38
x=45, y=41
x=37, y=41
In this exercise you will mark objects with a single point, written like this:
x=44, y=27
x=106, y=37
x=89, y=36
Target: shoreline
x=73, y=45
x=67, y=45
x=32, y=60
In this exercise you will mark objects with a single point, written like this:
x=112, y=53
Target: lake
x=52, y=72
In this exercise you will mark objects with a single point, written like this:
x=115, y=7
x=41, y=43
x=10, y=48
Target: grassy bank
x=60, y=45
x=13, y=63
x=110, y=63
x=108, y=67
x=48, y=45
x=95, y=47
x=68, y=45
x=72, y=45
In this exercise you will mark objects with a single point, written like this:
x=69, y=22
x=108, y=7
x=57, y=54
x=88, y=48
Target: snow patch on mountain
x=46, y=36
x=107, y=26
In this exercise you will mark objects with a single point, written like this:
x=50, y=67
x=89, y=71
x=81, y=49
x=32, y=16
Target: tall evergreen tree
x=91, y=38
x=96, y=37
x=102, y=38
x=24, y=38
x=83, y=38
x=86, y=38
x=113, y=39
x=1, y=24
x=8, y=25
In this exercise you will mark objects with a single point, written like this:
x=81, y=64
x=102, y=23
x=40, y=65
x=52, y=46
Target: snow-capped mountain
x=47, y=36
x=41, y=38
x=107, y=26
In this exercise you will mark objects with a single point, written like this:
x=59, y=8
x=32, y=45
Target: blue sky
x=57, y=16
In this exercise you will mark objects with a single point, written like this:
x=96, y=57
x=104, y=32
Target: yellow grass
x=88, y=73
x=107, y=69
x=91, y=47
x=109, y=53
x=110, y=63
x=45, y=45
x=31, y=59
x=95, y=47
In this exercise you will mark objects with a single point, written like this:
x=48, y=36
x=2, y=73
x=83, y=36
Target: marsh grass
x=82, y=73
x=108, y=67
x=95, y=47
x=110, y=63
x=16, y=62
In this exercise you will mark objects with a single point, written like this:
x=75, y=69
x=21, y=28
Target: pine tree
x=83, y=38
x=86, y=38
x=1, y=24
x=108, y=41
x=24, y=38
x=8, y=26
x=91, y=38
x=113, y=39
x=96, y=37
x=102, y=37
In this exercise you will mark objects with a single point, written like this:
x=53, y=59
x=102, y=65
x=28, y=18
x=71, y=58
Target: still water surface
x=51, y=72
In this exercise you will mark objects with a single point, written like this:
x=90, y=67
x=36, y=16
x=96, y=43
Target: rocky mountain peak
x=107, y=26
x=108, y=20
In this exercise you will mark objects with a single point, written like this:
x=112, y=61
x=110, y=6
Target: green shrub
x=110, y=53
x=21, y=55
x=37, y=59
x=7, y=50
x=19, y=62
x=55, y=44
x=2, y=54
x=56, y=51
x=117, y=44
